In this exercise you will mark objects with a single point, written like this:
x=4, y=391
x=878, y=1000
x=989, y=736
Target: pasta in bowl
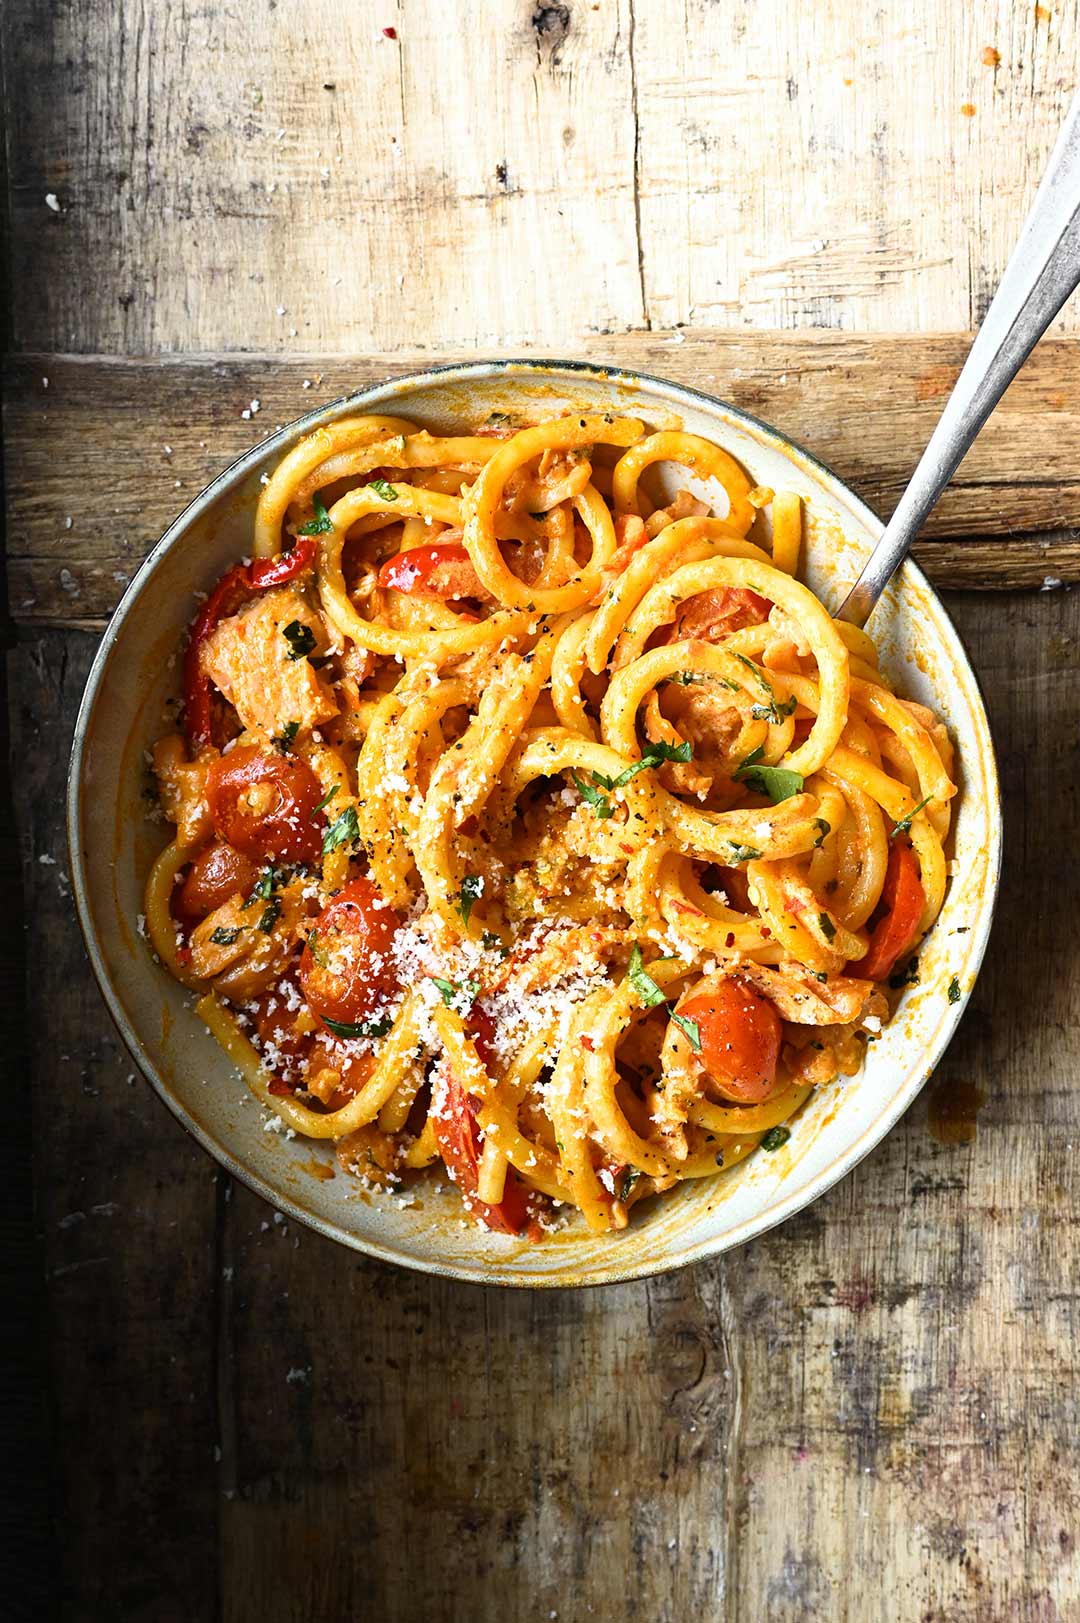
x=534, y=821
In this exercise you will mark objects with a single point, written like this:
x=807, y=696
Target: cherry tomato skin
x=442, y=570
x=904, y=897
x=216, y=874
x=715, y=614
x=740, y=1035
x=346, y=969
x=458, y=1139
x=264, y=804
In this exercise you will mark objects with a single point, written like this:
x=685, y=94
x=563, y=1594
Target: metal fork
x=1043, y=270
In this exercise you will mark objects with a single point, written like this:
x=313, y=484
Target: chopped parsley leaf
x=222, y=937
x=320, y=524
x=358, y=1028
x=776, y=709
x=654, y=756
x=593, y=796
x=692, y=1030
x=325, y=801
x=381, y=488
x=643, y=983
x=775, y=781
x=629, y=1179
x=300, y=638
x=264, y=887
x=455, y=990
x=472, y=886
x=903, y=825
x=742, y=853
x=775, y=1138
x=342, y=831
x=955, y=993
x=270, y=915
x=824, y=830
x=283, y=741
x=827, y=927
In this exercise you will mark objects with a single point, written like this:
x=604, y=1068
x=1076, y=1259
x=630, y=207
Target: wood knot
x=551, y=24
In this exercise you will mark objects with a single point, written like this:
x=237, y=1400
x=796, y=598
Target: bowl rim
x=233, y=474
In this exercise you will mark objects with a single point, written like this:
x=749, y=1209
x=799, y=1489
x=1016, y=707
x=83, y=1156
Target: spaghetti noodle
x=533, y=823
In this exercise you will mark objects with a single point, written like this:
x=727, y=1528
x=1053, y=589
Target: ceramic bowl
x=113, y=842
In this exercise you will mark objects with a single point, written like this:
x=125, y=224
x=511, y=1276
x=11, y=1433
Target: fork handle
x=1043, y=270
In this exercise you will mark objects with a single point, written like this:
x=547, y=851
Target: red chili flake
x=183, y=955
x=587, y=1044
x=730, y=939
x=278, y=1087
x=390, y=33
x=766, y=932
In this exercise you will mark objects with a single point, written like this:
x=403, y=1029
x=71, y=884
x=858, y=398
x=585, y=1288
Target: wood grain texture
x=285, y=176
x=119, y=447
x=869, y=1414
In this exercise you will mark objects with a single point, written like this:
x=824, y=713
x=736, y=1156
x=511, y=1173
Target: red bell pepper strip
x=458, y=1139
x=231, y=592
x=903, y=896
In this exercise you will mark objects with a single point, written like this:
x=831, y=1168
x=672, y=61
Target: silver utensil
x=1043, y=270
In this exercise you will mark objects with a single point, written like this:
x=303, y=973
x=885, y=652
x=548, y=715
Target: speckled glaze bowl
x=112, y=844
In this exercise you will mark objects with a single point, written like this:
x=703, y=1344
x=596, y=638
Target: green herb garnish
x=692, y=1030
x=629, y=1179
x=381, y=488
x=472, y=886
x=955, y=993
x=593, y=796
x=775, y=781
x=270, y=915
x=283, y=741
x=358, y=1028
x=320, y=524
x=654, y=756
x=742, y=853
x=300, y=638
x=776, y=709
x=903, y=826
x=265, y=886
x=775, y=1138
x=222, y=937
x=824, y=830
x=318, y=952
x=344, y=830
x=455, y=990
x=325, y=801
x=643, y=983
x=826, y=926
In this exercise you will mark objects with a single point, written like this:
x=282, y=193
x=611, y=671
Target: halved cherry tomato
x=216, y=874
x=740, y=1040
x=443, y=570
x=346, y=969
x=904, y=897
x=263, y=804
x=715, y=614
x=458, y=1139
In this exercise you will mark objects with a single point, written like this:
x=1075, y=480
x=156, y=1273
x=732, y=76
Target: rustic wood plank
x=869, y=1413
x=128, y=1220
x=118, y=447
x=530, y=173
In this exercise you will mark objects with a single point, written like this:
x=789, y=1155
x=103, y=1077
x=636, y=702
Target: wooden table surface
x=869, y=1414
